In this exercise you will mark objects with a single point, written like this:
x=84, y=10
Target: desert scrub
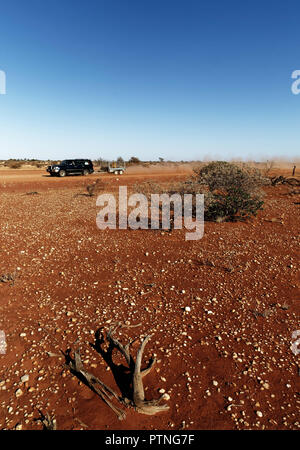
x=233, y=193
x=13, y=164
x=190, y=186
x=230, y=192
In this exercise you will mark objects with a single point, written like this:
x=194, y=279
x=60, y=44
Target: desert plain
x=223, y=311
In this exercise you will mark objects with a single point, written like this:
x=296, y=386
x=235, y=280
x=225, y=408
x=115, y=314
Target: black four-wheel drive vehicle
x=71, y=166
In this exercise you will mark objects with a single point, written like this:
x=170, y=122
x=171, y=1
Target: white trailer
x=114, y=167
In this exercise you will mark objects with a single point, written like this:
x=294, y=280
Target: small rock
x=19, y=392
x=25, y=378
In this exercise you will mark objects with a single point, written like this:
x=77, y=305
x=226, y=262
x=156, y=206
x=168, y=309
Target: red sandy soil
x=226, y=364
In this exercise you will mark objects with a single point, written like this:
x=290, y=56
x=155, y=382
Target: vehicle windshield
x=64, y=162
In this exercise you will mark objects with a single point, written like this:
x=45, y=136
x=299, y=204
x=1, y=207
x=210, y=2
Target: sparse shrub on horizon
x=120, y=161
x=38, y=164
x=13, y=164
x=18, y=163
x=230, y=192
x=133, y=161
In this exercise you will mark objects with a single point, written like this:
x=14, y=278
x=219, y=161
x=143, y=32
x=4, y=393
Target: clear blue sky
x=182, y=79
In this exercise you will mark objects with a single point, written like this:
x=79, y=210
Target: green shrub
x=230, y=192
x=234, y=205
x=234, y=193
x=227, y=176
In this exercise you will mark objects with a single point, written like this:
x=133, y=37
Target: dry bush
x=230, y=192
x=221, y=175
x=13, y=164
x=133, y=161
x=38, y=164
x=234, y=193
x=269, y=165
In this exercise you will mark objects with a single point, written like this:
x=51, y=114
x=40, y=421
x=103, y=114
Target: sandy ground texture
x=222, y=310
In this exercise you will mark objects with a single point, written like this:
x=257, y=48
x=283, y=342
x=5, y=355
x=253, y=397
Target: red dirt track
x=226, y=364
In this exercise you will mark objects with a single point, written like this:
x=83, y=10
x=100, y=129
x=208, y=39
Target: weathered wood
x=100, y=388
x=137, y=374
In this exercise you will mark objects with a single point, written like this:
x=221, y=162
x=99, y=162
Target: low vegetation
x=234, y=193
x=230, y=192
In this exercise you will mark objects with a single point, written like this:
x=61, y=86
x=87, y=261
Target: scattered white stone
x=187, y=309
x=162, y=391
x=19, y=392
x=259, y=413
x=25, y=378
